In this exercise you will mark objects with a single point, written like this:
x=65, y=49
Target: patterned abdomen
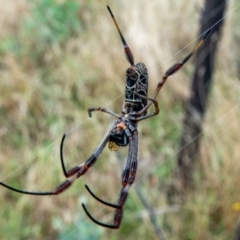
x=136, y=82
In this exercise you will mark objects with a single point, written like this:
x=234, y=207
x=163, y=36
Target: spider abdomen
x=136, y=82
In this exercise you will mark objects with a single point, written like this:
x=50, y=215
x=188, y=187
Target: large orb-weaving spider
x=123, y=131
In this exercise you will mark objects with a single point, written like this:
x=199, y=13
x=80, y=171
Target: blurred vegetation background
x=58, y=58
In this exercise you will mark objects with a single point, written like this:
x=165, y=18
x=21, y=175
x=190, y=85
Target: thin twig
x=153, y=218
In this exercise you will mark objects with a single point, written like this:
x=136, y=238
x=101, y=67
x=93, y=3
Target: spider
x=123, y=131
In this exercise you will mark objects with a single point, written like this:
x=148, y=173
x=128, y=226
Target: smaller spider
x=123, y=131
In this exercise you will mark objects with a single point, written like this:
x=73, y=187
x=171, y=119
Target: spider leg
x=26, y=192
x=125, y=176
x=100, y=200
x=127, y=50
x=84, y=166
x=97, y=222
x=81, y=169
x=90, y=110
x=173, y=69
x=74, y=172
x=127, y=180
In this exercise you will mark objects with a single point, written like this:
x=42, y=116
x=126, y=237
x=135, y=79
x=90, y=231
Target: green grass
x=57, y=58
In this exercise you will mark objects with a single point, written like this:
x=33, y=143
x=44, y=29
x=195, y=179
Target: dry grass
x=46, y=88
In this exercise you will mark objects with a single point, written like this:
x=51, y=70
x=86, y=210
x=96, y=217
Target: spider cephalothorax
x=123, y=131
x=119, y=136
